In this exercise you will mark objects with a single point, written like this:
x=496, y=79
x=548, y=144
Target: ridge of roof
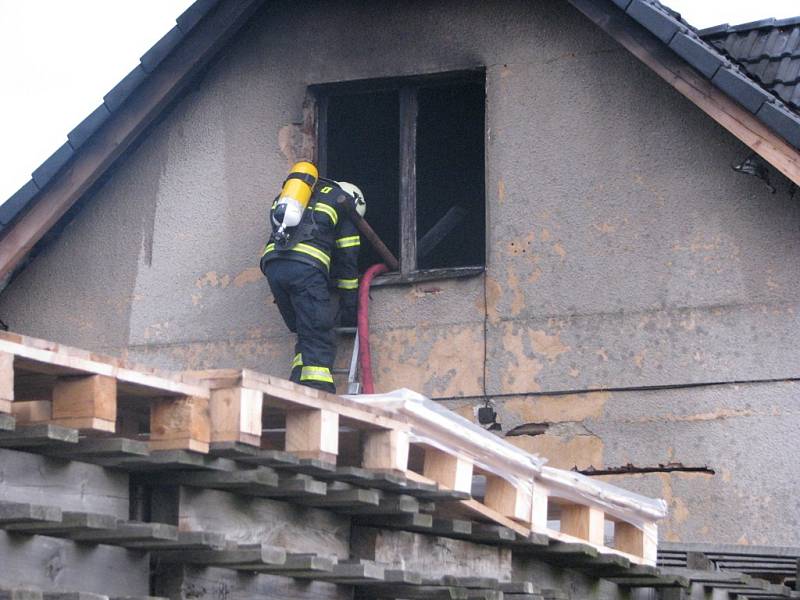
x=112, y=102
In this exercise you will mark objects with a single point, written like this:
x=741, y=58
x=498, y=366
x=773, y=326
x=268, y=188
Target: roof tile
x=760, y=24
x=740, y=87
x=696, y=53
x=88, y=126
x=782, y=121
x=52, y=165
x=151, y=59
x=11, y=207
x=192, y=15
x=120, y=92
x=658, y=22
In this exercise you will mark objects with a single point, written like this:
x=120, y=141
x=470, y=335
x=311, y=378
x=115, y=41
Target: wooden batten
x=313, y=434
x=639, y=541
x=236, y=415
x=584, y=522
x=448, y=470
x=181, y=423
x=6, y=381
x=87, y=403
x=385, y=450
x=509, y=500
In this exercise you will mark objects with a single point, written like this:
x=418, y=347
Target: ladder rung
x=346, y=330
x=340, y=371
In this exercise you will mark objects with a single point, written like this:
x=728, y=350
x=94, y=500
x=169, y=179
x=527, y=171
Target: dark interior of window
x=362, y=145
x=450, y=173
x=364, y=148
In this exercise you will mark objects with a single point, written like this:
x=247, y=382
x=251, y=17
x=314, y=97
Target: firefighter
x=313, y=246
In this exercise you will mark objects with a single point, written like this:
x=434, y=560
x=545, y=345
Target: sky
x=58, y=58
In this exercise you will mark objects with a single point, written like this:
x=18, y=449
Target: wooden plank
x=387, y=505
x=284, y=394
x=97, y=569
x=240, y=554
x=431, y=556
x=70, y=522
x=436, y=234
x=162, y=460
x=296, y=528
x=353, y=573
x=88, y=402
x=584, y=522
x=514, y=502
x=144, y=535
x=448, y=470
x=413, y=592
x=313, y=434
x=699, y=90
x=236, y=415
x=36, y=355
x=6, y=381
x=180, y=423
x=385, y=450
x=408, y=179
x=208, y=583
x=20, y=594
x=17, y=513
x=36, y=436
x=187, y=541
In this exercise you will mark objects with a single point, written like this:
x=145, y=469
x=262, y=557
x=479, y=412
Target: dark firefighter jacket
x=326, y=239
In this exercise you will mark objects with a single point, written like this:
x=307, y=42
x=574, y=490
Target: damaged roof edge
x=112, y=102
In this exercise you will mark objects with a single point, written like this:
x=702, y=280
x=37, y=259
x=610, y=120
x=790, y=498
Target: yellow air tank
x=294, y=197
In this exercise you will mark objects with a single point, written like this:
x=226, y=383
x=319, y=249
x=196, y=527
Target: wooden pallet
x=57, y=386
x=44, y=382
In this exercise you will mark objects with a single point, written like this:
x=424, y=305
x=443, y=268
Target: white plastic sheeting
x=434, y=425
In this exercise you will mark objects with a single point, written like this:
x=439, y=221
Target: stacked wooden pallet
x=238, y=430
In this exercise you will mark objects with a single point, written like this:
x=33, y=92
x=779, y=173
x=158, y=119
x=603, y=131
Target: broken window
x=415, y=146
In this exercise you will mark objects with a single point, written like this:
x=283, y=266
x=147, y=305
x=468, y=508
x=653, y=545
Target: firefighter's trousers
x=302, y=295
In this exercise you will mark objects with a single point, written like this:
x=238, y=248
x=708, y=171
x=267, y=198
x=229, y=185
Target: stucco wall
x=623, y=252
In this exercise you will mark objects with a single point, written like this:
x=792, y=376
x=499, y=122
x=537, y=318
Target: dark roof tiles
x=781, y=120
x=694, y=51
x=120, y=92
x=192, y=15
x=737, y=85
x=151, y=59
x=52, y=165
x=88, y=126
x=12, y=206
x=768, y=51
x=658, y=21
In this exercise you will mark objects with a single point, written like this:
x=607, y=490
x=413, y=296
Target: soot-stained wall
x=622, y=251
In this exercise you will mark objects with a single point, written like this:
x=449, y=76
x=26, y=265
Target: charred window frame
x=422, y=144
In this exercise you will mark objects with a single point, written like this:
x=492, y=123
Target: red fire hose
x=364, y=360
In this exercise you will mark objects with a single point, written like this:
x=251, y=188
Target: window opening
x=415, y=146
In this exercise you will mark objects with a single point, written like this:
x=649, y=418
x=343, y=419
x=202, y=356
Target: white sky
x=58, y=58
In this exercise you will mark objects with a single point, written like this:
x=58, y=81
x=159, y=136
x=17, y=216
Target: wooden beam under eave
x=123, y=128
x=694, y=86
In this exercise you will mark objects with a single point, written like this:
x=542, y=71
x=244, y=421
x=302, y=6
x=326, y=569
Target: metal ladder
x=353, y=384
